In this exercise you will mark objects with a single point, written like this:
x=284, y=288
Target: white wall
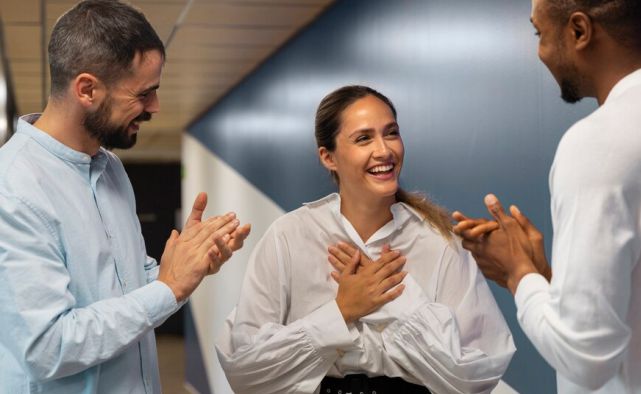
x=227, y=191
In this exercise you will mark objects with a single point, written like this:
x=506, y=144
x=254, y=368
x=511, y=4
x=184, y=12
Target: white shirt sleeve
x=578, y=321
x=258, y=351
x=458, y=343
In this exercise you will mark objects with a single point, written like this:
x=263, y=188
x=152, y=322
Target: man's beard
x=570, y=90
x=570, y=78
x=110, y=135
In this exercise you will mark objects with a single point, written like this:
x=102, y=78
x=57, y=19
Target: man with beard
x=79, y=298
x=585, y=316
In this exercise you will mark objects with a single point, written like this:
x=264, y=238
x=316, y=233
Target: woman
x=301, y=328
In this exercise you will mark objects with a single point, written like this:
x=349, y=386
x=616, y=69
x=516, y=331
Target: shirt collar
x=627, y=82
x=52, y=145
x=401, y=212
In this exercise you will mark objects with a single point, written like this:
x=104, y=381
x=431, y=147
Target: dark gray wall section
x=195, y=371
x=478, y=112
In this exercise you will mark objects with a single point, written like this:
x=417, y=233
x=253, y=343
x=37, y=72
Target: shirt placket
x=105, y=212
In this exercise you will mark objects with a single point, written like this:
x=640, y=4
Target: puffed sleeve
x=258, y=351
x=457, y=343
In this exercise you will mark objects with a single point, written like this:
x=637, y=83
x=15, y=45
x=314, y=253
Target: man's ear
x=582, y=29
x=87, y=89
x=326, y=158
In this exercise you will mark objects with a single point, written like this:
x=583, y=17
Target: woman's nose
x=381, y=148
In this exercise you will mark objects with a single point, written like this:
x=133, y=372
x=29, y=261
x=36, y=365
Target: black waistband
x=361, y=384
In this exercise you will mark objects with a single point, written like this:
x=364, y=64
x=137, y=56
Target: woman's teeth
x=381, y=169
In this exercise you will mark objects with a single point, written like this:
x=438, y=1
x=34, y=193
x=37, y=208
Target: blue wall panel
x=478, y=113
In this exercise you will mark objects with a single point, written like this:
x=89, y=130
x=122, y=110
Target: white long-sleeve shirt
x=587, y=322
x=445, y=331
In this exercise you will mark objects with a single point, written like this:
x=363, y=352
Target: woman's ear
x=326, y=158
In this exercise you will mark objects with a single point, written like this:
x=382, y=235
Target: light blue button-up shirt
x=78, y=295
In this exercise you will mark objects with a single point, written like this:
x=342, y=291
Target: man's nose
x=153, y=104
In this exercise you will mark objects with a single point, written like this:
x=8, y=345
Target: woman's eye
x=394, y=132
x=362, y=138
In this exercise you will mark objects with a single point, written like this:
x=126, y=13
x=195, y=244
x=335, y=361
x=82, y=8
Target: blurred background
x=478, y=112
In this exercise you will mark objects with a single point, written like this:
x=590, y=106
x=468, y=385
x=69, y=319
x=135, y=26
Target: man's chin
x=570, y=99
x=120, y=143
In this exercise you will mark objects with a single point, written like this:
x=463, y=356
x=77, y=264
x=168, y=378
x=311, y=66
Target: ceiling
x=211, y=46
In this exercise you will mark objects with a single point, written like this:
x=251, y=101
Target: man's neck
x=64, y=123
x=616, y=65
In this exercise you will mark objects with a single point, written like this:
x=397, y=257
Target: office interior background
x=478, y=113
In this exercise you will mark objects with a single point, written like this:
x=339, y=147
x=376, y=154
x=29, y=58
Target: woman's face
x=369, y=150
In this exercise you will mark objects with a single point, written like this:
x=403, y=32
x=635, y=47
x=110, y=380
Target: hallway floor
x=171, y=361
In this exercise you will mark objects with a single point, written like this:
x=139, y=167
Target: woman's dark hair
x=100, y=37
x=328, y=122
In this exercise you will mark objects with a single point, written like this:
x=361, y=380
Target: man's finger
x=197, y=230
x=172, y=237
x=220, y=227
x=238, y=237
x=197, y=210
x=480, y=230
x=223, y=247
x=522, y=220
x=472, y=246
x=459, y=216
x=211, y=228
x=214, y=260
x=464, y=225
x=495, y=208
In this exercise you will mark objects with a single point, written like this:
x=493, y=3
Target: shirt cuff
x=400, y=308
x=327, y=328
x=529, y=286
x=157, y=300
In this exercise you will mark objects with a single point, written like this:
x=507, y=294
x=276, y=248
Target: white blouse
x=445, y=331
